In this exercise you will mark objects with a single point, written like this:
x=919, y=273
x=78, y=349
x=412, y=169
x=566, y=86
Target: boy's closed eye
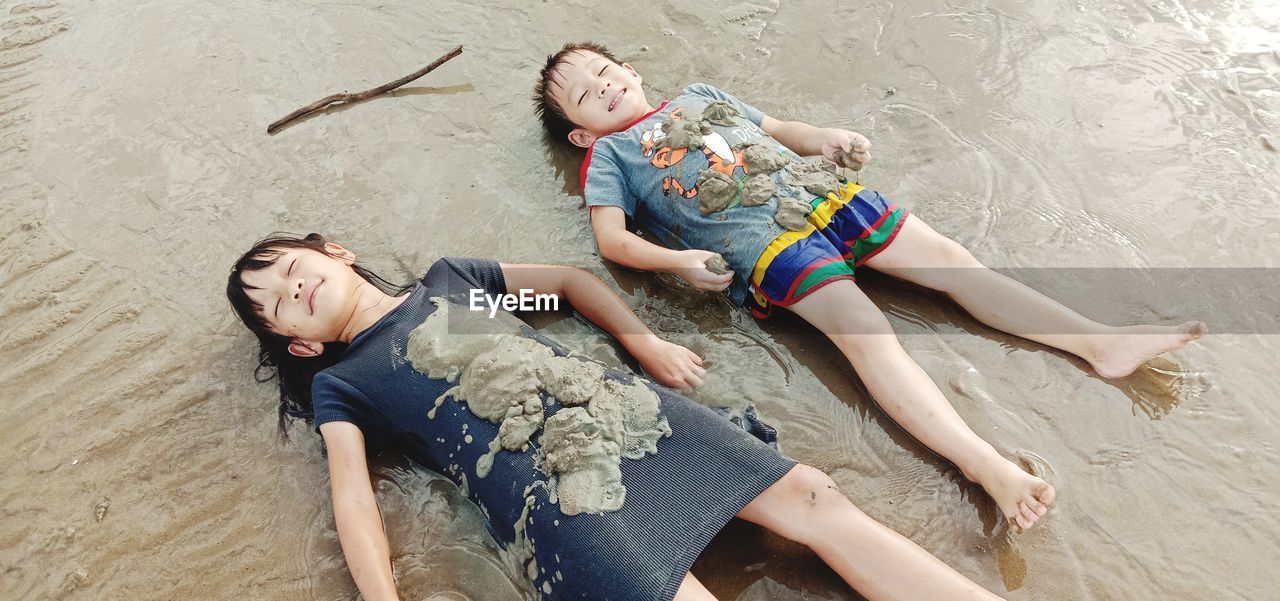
x=584, y=92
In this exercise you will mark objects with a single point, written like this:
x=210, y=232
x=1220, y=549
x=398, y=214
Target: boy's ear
x=582, y=138
x=340, y=253
x=306, y=348
x=633, y=71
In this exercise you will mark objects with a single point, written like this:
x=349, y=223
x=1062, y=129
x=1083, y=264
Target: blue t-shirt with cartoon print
x=657, y=185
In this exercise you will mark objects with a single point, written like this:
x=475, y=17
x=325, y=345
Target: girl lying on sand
x=603, y=485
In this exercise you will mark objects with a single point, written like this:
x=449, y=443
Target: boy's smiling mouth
x=613, y=103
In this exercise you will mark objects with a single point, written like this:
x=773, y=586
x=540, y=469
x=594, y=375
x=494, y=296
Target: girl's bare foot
x=1023, y=498
x=1121, y=353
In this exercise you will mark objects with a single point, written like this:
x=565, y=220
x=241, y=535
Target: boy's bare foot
x=1121, y=353
x=1023, y=498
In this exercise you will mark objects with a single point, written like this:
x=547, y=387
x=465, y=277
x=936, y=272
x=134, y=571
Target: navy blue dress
x=676, y=500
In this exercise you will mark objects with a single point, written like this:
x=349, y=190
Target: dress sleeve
x=752, y=113
x=603, y=182
x=335, y=400
x=331, y=400
x=460, y=276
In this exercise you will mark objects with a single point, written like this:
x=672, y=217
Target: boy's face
x=306, y=295
x=600, y=96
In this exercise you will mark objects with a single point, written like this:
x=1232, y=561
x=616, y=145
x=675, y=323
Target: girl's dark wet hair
x=274, y=359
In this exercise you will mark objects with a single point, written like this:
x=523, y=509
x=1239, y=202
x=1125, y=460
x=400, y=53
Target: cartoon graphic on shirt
x=720, y=155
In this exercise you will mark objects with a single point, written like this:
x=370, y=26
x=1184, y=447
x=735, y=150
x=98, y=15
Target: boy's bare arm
x=807, y=140
x=621, y=246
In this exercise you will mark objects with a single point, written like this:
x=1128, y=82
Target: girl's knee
x=816, y=509
x=812, y=488
x=693, y=590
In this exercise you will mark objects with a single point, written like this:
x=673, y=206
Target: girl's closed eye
x=276, y=311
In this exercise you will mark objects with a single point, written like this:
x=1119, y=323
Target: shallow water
x=140, y=458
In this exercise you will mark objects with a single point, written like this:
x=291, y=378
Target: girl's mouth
x=615, y=100
x=311, y=298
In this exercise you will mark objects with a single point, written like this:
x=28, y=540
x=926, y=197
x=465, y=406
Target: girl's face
x=306, y=295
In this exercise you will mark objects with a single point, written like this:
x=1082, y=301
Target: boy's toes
x=1045, y=494
x=1028, y=514
x=1035, y=506
x=1019, y=523
x=1194, y=329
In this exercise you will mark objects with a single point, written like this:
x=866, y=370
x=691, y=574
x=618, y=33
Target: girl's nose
x=297, y=290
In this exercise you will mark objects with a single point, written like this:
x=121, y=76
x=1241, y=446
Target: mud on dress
x=706, y=471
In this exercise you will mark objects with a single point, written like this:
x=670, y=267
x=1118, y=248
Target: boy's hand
x=692, y=267
x=854, y=148
x=668, y=363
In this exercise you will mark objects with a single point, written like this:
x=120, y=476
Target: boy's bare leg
x=692, y=590
x=906, y=393
x=807, y=507
x=923, y=256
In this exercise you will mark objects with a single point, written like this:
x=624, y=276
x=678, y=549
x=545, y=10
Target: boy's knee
x=953, y=254
x=857, y=319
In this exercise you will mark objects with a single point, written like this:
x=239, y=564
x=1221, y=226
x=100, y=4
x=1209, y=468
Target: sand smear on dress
x=500, y=375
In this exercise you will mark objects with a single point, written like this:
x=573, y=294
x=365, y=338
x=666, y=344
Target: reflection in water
x=1160, y=386
x=1013, y=566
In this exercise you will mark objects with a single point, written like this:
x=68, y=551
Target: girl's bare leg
x=923, y=256
x=902, y=389
x=692, y=590
x=805, y=506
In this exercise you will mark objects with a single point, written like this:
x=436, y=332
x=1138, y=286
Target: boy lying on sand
x=726, y=189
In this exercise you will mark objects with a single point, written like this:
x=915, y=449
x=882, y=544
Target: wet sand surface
x=140, y=458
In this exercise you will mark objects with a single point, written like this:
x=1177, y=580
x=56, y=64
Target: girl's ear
x=306, y=348
x=340, y=253
x=582, y=138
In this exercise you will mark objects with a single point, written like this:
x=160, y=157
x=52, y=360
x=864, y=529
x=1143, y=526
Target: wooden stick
x=348, y=98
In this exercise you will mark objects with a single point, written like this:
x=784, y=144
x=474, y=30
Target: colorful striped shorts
x=845, y=229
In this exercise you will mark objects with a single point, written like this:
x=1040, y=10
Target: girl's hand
x=668, y=363
x=846, y=148
x=692, y=267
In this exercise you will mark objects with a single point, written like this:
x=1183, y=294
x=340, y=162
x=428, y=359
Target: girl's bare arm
x=364, y=543
x=668, y=363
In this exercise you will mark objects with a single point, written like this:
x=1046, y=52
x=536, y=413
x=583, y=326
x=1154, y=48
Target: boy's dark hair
x=554, y=121
x=274, y=359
